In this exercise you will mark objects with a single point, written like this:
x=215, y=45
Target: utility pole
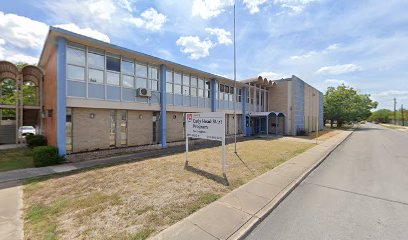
x=235, y=91
x=402, y=115
x=395, y=111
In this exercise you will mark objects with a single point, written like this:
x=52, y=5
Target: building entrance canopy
x=262, y=122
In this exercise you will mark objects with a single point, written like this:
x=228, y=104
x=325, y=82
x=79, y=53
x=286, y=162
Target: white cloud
x=297, y=6
x=84, y=31
x=336, y=82
x=149, y=19
x=253, y=5
x=21, y=31
x=194, y=46
x=304, y=56
x=13, y=56
x=272, y=75
x=223, y=37
x=210, y=8
x=103, y=9
x=339, y=69
x=332, y=47
x=126, y=4
x=391, y=93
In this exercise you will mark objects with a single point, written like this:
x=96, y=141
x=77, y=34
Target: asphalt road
x=359, y=192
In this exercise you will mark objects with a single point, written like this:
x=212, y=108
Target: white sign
x=207, y=125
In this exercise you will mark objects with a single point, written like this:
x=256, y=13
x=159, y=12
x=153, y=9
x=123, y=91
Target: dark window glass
x=112, y=64
x=221, y=88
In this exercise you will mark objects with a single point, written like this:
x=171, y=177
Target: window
x=112, y=132
x=113, y=64
x=216, y=91
x=177, y=78
x=169, y=81
x=169, y=88
x=75, y=73
x=207, y=92
x=141, y=83
x=123, y=128
x=177, y=83
x=96, y=60
x=239, y=96
x=141, y=70
x=194, y=91
x=75, y=56
x=128, y=81
x=232, y=90
x=68, y=130
x=154, y=73
x=193, y=81
x=221, y=87
x=112, y=78
x=95, y=76
x=154, y=78
x=177, y=89
x=226, y=89
x=186, y=84
x=128, y=67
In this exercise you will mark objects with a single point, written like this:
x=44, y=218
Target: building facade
x=97, y=95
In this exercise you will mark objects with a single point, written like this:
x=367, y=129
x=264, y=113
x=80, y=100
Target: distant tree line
x=387, y=116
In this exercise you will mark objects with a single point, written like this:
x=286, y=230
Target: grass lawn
x=392, y=126
x=16, y=158
x=137, y=200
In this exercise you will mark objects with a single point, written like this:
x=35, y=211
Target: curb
x=251, y=224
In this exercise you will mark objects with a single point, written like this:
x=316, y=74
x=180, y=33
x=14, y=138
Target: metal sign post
x=208, y=125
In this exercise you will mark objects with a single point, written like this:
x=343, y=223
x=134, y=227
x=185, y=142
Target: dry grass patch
x=137, y=200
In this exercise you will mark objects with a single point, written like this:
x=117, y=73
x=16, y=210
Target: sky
x=362, y=44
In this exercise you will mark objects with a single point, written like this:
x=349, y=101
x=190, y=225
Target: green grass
x=16, y=158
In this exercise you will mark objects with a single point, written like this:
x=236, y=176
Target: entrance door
x=156, y=128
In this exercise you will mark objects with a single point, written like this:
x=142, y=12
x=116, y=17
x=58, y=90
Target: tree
x=381, y=116
x=345, y=104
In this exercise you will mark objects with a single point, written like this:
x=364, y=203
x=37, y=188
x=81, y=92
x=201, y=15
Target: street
x=359, y=192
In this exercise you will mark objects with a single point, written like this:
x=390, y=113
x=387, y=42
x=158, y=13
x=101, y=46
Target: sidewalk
x=11, y=225
x=234, y=215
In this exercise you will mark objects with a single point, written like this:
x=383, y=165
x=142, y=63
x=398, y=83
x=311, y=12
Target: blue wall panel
x=299, y=104
x=186, y=100
x=113, y=93
x=128, y=94
x=194, y=101
x=201, y=102
x=141, y=99
x=155, y=97
x=321, y=110
x=178, y=100
x=169, y=99
x=96, y=91
x=208, y=103
x=76, y=89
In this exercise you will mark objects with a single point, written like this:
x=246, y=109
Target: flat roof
x=55, y=33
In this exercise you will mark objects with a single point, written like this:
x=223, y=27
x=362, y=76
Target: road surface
x=359, y=192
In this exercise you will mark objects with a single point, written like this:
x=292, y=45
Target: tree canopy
x=345, y=104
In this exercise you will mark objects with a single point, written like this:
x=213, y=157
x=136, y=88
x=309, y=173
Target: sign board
x=207, y=125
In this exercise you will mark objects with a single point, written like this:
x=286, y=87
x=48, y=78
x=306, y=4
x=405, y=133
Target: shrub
x=301, y=132
x=35, y=140
x=46, y=156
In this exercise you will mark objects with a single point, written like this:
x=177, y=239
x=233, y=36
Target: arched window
x=8, y=91
x=30, y=93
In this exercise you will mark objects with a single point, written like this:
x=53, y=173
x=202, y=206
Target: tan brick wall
x=279, y=102
x=90, y=134
x=140, y=131
x=311, y=108
x=174, y=126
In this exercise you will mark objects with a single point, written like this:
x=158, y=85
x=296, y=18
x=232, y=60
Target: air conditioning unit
x=144, y=92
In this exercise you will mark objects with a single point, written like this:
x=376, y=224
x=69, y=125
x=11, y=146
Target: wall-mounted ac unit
x=144, y=92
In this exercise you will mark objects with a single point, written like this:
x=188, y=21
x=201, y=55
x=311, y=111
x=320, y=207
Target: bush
x=301, y=132
x=35, y=140
x=46, y=156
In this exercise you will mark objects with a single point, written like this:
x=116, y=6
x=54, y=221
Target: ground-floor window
x=112, y=134
x=123, y=128
x=68, y=130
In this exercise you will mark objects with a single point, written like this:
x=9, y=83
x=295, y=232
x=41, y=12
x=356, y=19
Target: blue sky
x=363, y=44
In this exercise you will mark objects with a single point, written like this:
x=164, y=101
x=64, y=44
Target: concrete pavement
x=11, y=225
x=232, y=216
x=359, y=192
